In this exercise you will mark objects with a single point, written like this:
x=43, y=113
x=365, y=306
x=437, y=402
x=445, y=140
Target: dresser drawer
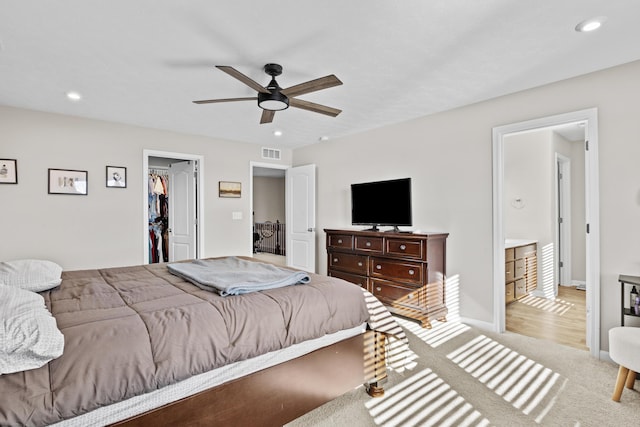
x=521, y=288
x=395, y=269
x=509, y=271
x=509, y=293
x=393, y=293
x=523, y=251
x=509, y=254
x=405, y=248
x=344, y=241
x=519, y=268
x=361, y=281
x=348, y=262
x=372, y=244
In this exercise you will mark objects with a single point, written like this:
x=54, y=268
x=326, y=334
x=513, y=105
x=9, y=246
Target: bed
x=145, y=347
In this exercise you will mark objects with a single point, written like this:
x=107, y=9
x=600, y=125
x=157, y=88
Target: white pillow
x=30, y=274
x=29, y=336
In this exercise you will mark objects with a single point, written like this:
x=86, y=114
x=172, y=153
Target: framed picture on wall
x=229, y=189
x=67, y=181
x=116, y=177
x=8, y=171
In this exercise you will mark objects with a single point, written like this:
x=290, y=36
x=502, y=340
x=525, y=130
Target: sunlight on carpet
x=439, y=333
x=524, y=383
x=424, y=399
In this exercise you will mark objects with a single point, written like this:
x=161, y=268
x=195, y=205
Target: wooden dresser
x=405, y=271
x=521, y=270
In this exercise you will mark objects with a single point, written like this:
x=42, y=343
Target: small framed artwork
x=229, y=189
x=116, y=177
x=8, y=171
x=66, y=181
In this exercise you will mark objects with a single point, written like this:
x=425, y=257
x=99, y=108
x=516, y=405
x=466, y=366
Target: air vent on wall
x=270, y=153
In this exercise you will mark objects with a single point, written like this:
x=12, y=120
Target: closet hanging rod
x=161, y=172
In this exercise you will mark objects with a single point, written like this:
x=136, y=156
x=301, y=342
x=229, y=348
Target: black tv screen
x=381, y=203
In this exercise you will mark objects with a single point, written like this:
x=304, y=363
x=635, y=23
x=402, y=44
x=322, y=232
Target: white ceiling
x=143, y=62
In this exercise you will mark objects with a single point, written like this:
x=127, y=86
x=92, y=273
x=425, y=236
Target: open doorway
x=547, y=252
x=268, y=208
x=300, y=213
x=172, y=206
x=544, y=225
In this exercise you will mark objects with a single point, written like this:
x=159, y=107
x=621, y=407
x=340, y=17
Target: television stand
x=405, y=271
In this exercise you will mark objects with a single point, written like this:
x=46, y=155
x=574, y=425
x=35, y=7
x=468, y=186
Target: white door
x=182, y=211
x=301, y=217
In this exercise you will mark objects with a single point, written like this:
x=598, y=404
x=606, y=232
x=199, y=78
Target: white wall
x=268, y=199
x=449, y=157
x=529, y=178
x=105, y=228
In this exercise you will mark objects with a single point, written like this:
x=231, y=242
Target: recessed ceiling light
x=590, y=24
x=323, y=138
x=74, y=96
x=277, y=133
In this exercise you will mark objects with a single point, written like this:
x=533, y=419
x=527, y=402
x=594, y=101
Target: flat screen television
x=381, y=203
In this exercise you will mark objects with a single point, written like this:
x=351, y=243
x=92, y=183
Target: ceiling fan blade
x=211, y=101
x=312, y=86
x=244, y=79
x=267, y=116
x=312, y=106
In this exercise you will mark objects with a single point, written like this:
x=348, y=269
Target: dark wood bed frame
x=281, y=393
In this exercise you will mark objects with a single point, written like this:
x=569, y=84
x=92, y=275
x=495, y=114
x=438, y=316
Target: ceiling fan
x=273, y=98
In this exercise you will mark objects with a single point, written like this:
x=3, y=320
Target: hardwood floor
x=275, y=259
x=562, y=320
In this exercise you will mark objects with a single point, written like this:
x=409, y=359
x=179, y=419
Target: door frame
x=592, y=217
x=200, y=190
x=265, y=165
x=563, y=233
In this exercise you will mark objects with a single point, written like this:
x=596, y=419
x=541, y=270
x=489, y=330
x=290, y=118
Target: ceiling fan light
x=274, y=101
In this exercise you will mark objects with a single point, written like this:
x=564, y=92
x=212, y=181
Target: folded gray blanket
x=235, y=276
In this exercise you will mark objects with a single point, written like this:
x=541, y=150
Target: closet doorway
x=172, y=206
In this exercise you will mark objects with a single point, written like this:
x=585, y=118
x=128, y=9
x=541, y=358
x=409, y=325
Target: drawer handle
x=411, y=272
x=335, y=260
x=339, y=240
x=403, y=247
x=368, y=244
x=378, y=267
x=378, y=288
x=359, y=263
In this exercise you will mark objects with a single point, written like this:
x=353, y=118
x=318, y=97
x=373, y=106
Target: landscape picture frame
x=229, y=189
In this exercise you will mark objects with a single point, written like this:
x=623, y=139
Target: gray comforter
x=135, y=329
x=235, y=276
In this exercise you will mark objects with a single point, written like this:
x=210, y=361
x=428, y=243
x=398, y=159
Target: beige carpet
x=467, y=377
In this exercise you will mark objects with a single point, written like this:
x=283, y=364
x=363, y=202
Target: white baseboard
x=604, y=355
x=480, y=324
